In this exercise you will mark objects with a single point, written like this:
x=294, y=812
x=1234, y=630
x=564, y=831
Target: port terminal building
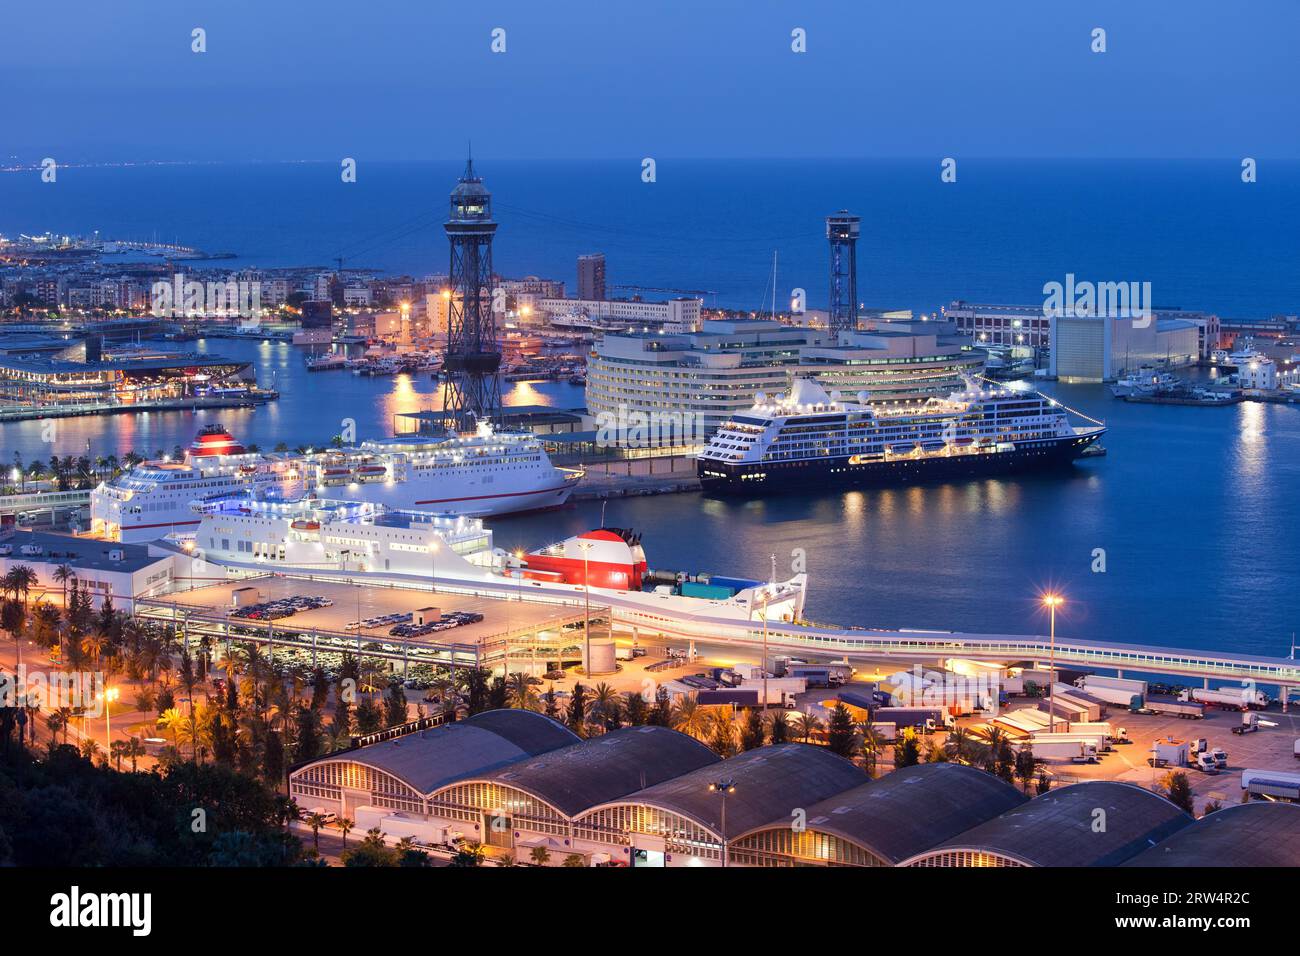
x=123, y=572
x=1090, y=348
x=721, y=370
x=42, y=382
x=517, y=781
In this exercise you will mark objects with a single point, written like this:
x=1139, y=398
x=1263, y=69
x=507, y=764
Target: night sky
x=91, y=81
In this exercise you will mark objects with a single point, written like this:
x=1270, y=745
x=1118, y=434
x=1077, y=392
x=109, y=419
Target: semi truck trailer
x=1113, y=690
x=1171, y=706
x=1241, y=698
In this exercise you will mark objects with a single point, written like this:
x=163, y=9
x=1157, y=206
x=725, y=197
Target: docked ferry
x=811, y=440
x=484, y=473
x=360, y=541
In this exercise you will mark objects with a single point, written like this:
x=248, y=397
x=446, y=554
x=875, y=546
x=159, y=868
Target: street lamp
x=724, y=787
x=586, y=547
x=1052, y=602
x=109, y=695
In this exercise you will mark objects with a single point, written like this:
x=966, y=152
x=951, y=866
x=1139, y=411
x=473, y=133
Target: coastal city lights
x=725, y=437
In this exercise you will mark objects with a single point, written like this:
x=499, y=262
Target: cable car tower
x=472, y=392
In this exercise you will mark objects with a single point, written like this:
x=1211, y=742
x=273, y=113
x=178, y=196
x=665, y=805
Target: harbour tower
x=842, y=232
x=472, y=392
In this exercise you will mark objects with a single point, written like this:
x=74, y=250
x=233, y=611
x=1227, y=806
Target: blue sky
x=383, y=79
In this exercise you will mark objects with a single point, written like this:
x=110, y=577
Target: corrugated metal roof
x=1248, y=834
x=1064, y=828
x=771, y=783
x=578, y=777
x=433, y=758
x=912, y=809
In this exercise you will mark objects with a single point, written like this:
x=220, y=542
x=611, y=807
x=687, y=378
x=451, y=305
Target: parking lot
x=483, y=619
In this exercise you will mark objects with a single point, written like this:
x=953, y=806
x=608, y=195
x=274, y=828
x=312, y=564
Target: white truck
x=1241, y=698
x=1271, y=784
x=1113, y=690
x=1080, y=748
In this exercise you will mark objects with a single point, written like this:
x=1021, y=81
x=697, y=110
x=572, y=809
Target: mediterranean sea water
x=1194, y=511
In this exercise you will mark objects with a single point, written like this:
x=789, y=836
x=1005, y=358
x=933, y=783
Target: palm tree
x=540, y=856
x=134, y=750
x=997, y=739
x=605, y=704
x=346, y=826
x=64, y=574
x=958, y=745
x=58, y=720
x=316, y=821
x=145, y=699
x=117, y=749
x=807, y=726
x=574, y=859
x=19, y=581
x=174, y=721
x=687, y=716
x=94, y=644
x=520, y=692
x=873, y=744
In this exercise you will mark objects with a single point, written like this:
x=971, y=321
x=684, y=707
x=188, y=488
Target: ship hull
x=810, y=475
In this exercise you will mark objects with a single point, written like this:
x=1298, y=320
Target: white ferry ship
x=357, y=541
x=486, y=473
x=809, y=440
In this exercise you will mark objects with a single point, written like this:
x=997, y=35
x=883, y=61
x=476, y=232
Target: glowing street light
x=1052, y=602
x=724, y=787
x=108, y=695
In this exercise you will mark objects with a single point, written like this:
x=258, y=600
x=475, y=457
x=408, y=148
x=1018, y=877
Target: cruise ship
x=484, y=473
x=810, y=440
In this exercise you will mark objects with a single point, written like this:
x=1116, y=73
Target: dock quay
x=631, y=477
x=35, y=413
x=715, y=623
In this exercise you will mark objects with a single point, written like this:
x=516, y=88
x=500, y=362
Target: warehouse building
x=1099, y=823
x=525, y=787
x=882, y=822
x=688, y=820
x=401, y=774
x=1245, y=835
x=533, y=802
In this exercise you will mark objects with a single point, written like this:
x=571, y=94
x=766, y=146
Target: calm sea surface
x=1195, y=509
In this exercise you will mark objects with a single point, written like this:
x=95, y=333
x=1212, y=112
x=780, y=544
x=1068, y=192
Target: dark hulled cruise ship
x=809, y=440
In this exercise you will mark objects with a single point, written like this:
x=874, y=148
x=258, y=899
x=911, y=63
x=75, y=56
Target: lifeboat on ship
x=604, y=558
x=214, y=441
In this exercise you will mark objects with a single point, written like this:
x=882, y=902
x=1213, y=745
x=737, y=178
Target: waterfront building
x=113, y=381
x=591, y=276
x=721, y=370
x=1101, y=348
x=1093, y=348
x=534, y=286
x=1007, y=325
x=678, y=315
x=122, y=572
x=1260, y=372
